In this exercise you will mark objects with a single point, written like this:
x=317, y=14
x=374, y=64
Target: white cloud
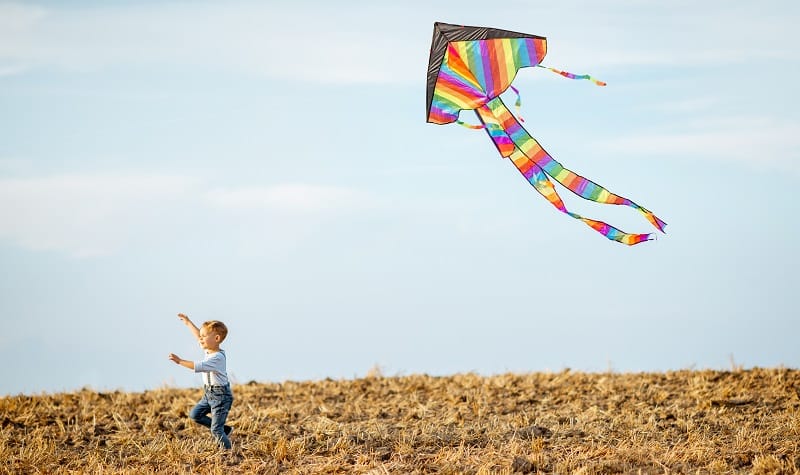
x=12, y=69
x=83, y=215
x=12, y=164
x=101, y=214
x=16, y=17
x=586, y=35
x=290, y=198
x=350, y=42
x=271, y=40
x=753, y=141
x=690, y=105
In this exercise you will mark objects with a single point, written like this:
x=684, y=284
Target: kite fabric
x=469, y=68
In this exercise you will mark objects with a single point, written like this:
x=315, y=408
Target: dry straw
x=741, y=421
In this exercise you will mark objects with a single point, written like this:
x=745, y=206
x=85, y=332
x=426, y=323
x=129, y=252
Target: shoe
x=227, y=430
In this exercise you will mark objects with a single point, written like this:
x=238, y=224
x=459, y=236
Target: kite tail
x=579, y=185
x=537, y=177
x=573, y=76
x=470, y=126
x=512, y=140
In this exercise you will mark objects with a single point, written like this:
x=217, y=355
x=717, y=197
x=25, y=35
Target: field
x=739, y=421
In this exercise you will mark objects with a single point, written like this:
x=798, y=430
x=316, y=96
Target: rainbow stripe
x=533, y=161
x=474, y=72
x=472, y=76
x=538, y=178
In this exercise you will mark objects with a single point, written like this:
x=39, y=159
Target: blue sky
x=269, y=165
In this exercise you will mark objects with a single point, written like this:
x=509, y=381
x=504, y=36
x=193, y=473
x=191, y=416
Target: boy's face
x=209, y=340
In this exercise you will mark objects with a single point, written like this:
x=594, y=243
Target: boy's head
x=212, y=333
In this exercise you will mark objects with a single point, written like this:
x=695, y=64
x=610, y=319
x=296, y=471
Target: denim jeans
x=217, y=401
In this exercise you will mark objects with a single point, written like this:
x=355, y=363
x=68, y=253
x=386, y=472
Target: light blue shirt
x=213, y=369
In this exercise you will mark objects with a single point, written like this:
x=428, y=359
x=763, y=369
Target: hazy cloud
x=274, y=41
x=343, y=42
x=755, y=141
x=98, y=214
x=83, y=215
x=289, y=198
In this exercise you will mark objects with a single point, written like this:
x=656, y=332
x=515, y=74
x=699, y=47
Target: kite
x=469, y=68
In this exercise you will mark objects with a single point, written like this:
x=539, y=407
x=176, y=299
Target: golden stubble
x=740, y=421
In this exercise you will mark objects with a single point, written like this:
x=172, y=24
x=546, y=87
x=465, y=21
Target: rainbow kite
x=469, y=68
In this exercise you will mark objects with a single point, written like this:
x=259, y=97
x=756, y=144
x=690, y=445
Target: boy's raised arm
x=178, y=360
x=192, y=327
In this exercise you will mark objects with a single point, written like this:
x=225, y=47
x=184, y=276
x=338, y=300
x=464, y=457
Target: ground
x=739, y=421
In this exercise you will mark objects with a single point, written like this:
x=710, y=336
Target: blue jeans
x=217, y=401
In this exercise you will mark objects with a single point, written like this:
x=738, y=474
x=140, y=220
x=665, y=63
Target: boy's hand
x=192, y=327
x=178, y=360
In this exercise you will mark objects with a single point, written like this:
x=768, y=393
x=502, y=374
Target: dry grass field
x=741, y=421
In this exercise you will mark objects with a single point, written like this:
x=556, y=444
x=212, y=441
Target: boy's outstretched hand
x=178, y=360
x=196, y=332
x=192, y=327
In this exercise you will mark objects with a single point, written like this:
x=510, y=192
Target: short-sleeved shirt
x=213, y=369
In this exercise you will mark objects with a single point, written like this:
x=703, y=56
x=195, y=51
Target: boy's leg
x=200, y=412
x=220, y=406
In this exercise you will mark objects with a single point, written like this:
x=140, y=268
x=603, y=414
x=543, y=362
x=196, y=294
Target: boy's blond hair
x=217, y=327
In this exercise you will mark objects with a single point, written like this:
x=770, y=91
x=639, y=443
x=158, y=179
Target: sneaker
x=227, y=430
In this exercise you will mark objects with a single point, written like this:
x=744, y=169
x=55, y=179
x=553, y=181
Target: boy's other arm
x=192, y=327
x=185, y=363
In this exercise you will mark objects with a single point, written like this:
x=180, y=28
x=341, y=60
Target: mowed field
x=739, y=421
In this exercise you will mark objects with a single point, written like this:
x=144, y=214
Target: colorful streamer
x=468, y=69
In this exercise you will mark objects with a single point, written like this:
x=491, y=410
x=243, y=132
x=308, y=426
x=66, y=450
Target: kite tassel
x=518, y=103
x=470, y=126
x=654, y=220
x=573, y=76
x=478, y=126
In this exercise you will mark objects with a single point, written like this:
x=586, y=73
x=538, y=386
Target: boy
x=217, y=395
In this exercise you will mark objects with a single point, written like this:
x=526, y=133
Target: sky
x=268, y=164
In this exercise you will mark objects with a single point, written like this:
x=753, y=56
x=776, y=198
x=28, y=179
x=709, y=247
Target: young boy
x=217, y=395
